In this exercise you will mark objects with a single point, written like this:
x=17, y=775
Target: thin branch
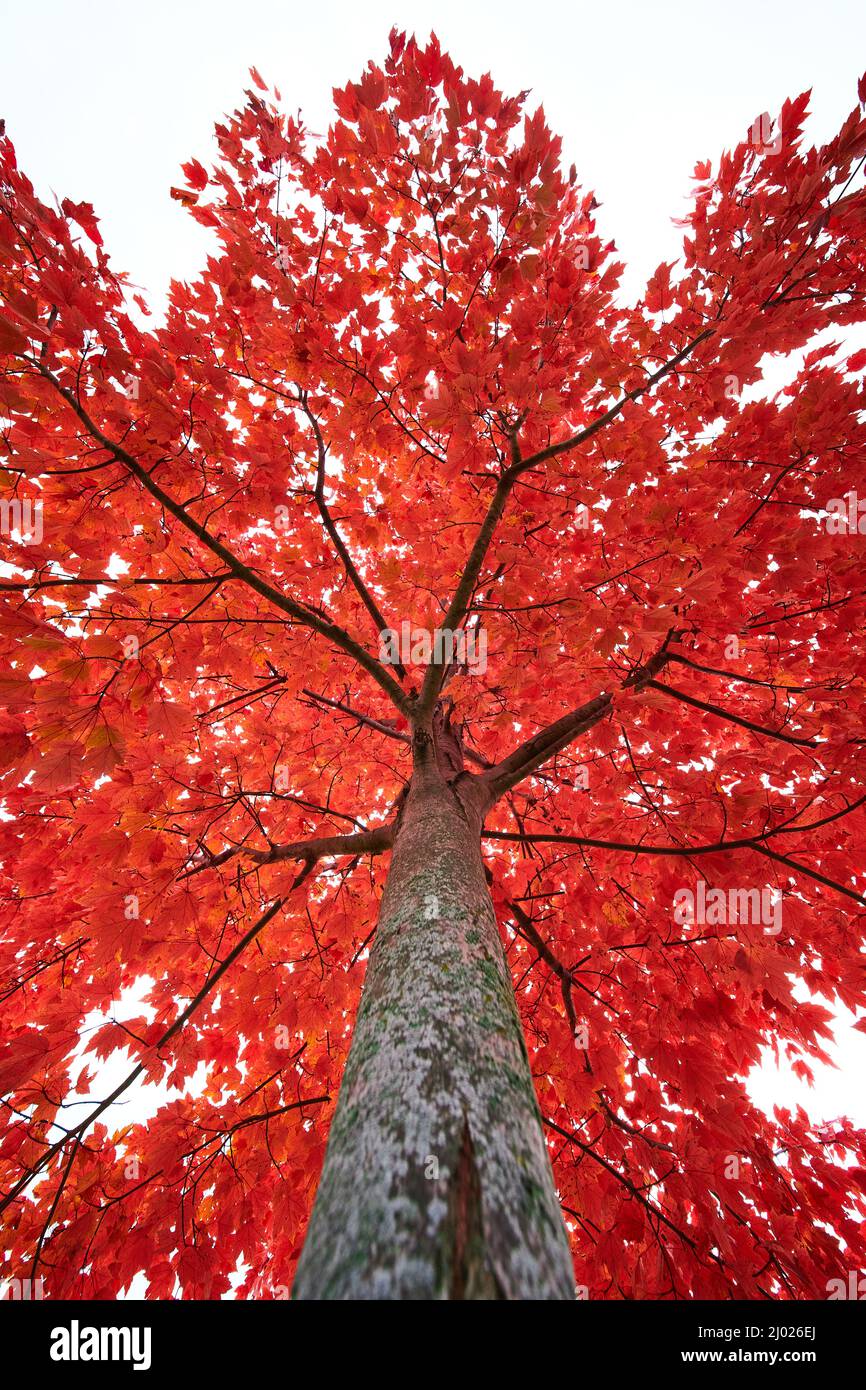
x=304, y=616
x=731, y=718
x=330, y=526
x=535, y=751
x=80, y=1129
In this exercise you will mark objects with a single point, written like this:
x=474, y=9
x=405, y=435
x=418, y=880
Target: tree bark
x=436, y=1182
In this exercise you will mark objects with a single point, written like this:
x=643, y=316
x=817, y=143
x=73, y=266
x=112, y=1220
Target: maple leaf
x=14, y=740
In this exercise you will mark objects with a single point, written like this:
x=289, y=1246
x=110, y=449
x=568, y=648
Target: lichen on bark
x=437, y=1182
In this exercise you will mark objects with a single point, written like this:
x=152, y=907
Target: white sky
x=104, y=100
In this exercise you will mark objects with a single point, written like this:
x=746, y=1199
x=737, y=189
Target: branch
x=744, y=680
x=458, y=607
x=379, y=725
x=754, y=843
x=731, y=718
x=531, y=933
x=529, y=756
x=553, y=450
x=330, y=526
x=620, y=1177
x=308, y=851
x=332, y=631
x=810, y=873
x=462, y=594
x=109, y=582
x=747, y=842
x=207, y=988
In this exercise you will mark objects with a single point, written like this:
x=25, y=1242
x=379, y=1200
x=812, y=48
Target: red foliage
x=401, y=322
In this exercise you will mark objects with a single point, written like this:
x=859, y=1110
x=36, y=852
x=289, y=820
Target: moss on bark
x=436, y=1182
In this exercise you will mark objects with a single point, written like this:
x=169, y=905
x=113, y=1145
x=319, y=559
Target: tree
x=405, y=574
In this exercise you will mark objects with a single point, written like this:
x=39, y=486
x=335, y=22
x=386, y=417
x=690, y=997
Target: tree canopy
x=404, y=389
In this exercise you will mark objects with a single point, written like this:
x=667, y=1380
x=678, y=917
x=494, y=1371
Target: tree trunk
x=436, y=1182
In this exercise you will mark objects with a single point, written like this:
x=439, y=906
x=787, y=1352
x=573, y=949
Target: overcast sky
x=104, y=99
